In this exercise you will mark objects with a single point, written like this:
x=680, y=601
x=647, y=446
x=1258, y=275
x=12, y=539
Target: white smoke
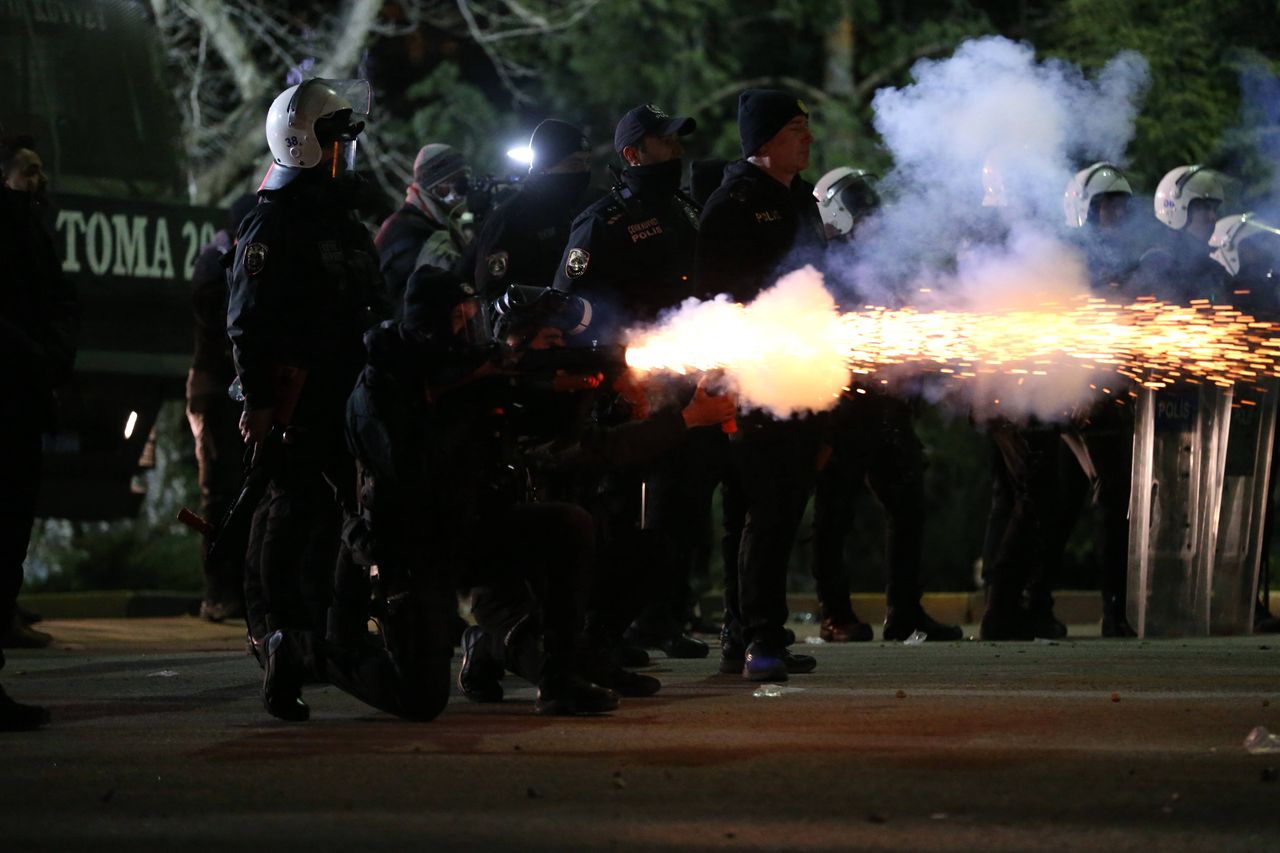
x=984, y=144
x=990, y=137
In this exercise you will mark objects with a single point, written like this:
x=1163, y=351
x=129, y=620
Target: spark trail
x=791, y=349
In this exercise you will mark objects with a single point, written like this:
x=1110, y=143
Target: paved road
x=159, y=742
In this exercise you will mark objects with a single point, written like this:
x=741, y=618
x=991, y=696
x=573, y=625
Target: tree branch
x=213, y=18
x=867, y=86
x=791, y=83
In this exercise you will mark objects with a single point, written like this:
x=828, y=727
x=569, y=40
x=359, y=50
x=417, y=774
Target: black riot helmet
x=523, y=310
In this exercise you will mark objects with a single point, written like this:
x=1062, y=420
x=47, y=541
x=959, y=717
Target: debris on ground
x=1261, y=742
x=773, y=691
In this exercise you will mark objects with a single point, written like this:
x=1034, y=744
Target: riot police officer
x=427, y=229
x=631, y=255
x=1178, y=267
x=304, y=287
x=761, y=222
x=1248, y=248
x=523, y=240
x=872, y=440
x=1097, y=447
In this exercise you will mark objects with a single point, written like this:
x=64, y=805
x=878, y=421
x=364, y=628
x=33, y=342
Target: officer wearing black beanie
x=761, y=223
x=522, y=241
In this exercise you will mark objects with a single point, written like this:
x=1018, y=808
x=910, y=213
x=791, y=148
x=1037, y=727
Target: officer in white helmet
x=1097, y=205
x=1247, y=247
x=1098, y=195
x=845, y=197
x=1178, y=268
x=304, y=287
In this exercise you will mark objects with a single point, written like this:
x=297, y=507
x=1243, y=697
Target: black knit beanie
x=764, y=112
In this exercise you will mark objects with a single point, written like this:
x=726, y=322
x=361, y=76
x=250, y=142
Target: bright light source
x=521, y=154
x=130, y=424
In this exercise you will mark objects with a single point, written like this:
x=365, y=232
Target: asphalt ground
x=159, y=742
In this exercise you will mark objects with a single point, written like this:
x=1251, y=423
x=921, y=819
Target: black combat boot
x=1005, y=618
x=480, y=678
x=17, y=717
x=567, y=694
x=732, y=652
x=769, y=662
x=901, y=622
x=282, y=680
x=1115, y=619
x=549, y=662
x=596, y=664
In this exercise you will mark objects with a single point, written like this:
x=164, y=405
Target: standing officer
x=1178, y=268
x=631, y=255
x=304, y=287
x=631, y=252
x=872, y=440
x=427, y=229
x=1097, y=203
x=762, y=222
x=214, y=416
x=39, y=322
x=522, y=241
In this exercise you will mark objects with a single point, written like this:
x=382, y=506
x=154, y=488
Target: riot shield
x=1244, y=505
x=1179, y=450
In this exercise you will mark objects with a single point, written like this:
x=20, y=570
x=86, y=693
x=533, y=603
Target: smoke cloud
x=983, y=143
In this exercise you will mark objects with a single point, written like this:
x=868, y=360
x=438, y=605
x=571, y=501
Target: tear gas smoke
x=983, y=142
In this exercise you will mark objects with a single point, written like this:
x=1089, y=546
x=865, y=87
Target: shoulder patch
x=575, y=264
x=255, y=258
x=496, y=264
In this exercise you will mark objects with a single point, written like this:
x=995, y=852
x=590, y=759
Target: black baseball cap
x=647, y=118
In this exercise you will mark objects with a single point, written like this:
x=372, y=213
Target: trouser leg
x=834, y=499
x=776, y=461
x=20, y=461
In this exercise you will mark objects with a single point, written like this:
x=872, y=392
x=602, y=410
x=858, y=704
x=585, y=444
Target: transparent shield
x=1179, y=453
x=1246, y=480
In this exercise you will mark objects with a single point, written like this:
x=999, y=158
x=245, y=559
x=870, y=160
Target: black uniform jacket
x=753, y=230
x=523, y=239
x=631, y=254
x=1179, y=269
x=304, y=288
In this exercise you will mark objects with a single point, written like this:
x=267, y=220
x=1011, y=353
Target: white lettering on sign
x=130, y=245
x=97, y=244
x=130, y=248
x=69, y=223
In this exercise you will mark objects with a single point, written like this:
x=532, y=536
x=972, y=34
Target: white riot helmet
x=1230, y=232
x=316, y=113
x=844, y=197
x=1182, y=186
x=1099, y=179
